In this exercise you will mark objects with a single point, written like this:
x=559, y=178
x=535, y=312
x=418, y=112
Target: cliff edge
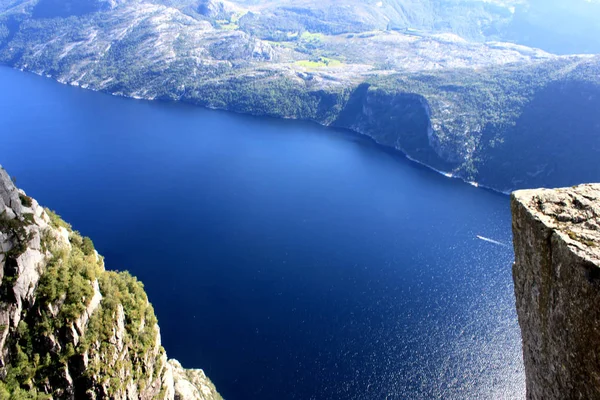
x=69, y=329
x=557, y=287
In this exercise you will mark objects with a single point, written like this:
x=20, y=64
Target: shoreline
x=391, y=149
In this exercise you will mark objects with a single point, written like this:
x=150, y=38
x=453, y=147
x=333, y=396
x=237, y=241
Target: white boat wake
x=491, y=241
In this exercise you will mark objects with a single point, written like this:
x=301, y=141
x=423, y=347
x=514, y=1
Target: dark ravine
x=557, y=287
x=71, y=329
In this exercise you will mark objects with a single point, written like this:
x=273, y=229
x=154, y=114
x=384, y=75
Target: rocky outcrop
x=217, y=9
x=557, y=287
x=69, y=328
x=399, y=120
x=191, y=384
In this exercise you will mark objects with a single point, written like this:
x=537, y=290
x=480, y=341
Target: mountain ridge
x=477, y=96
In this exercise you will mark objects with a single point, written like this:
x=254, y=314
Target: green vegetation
x=64, y=292
x=56, y=221
x=271, y=95
x=226, y=25
x=15, y=229
x=319, y=62
x=87, y=246
x=120, y=290
x=26, y=201
x=503, y=114
x=483, y=118
x=311, y=37
x=579, y=238
x=66, y=279
x=28, y=218
x=572, y=235
x=232, y=23
x=68, y=276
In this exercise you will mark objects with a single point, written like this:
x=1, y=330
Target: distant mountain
x=557, y=26
x=469, y=19
x=419, y=76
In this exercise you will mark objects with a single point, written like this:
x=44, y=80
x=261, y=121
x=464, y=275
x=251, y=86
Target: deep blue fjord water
x=287, y=260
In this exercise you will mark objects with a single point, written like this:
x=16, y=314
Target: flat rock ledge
x=557, y=288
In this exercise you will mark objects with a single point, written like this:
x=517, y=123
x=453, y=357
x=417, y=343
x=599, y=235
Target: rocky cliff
x=501, y=114
x=505, y=128
x=68, y=327
x=557, y=287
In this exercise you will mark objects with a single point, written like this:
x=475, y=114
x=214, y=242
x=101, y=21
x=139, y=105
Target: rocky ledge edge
x=557, y=288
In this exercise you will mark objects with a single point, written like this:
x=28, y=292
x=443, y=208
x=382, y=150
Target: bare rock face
x=217, y=9
x=557, y=287
x=69, y=329
x=21, y=256
x=191, y=384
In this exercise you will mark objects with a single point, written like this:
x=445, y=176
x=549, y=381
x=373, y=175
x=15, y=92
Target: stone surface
x=19, y=279
x=557, y=288
x=191, y=384
x=26, y=266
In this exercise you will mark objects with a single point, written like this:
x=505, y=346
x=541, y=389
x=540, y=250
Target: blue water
x=287, y=260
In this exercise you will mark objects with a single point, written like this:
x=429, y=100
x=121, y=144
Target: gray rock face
x=557, y=287
x=112, y=365
x=22, y=269
x=216, y=9
x=191, y=384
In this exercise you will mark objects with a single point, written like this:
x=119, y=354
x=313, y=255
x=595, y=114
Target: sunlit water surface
x=287, y=260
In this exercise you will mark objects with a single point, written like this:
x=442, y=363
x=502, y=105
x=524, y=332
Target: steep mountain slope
x=558, y=26
x=471, y=19
x=69, y=328
x=479, y=104
x=511, y=127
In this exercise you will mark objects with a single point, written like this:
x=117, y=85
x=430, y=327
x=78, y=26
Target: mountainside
x=558, y=26
x=501, y=114
x=557, y=288
x=506, y=128
x=69, y=328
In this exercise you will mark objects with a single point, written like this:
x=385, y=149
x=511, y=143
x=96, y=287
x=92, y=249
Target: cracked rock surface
x=557, y=288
